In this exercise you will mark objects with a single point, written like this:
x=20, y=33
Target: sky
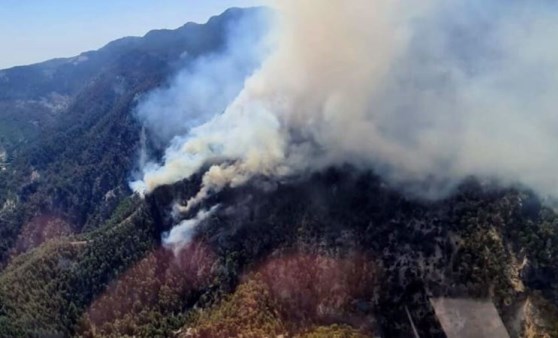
x=37, y=30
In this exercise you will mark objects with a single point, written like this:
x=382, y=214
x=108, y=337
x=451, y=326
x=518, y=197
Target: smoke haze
x=208, y=83
x=425, y=94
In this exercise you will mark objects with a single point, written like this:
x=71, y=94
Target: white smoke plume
x=206, y=86
x=428, y=92
x=208, y=83
x=181, y=234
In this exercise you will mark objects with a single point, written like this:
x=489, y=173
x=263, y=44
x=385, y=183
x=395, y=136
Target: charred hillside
x=334, y=253
x=469, y=245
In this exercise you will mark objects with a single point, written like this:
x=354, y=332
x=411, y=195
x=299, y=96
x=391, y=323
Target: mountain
x=70, y=134
x=336, y=253
x=34, y=97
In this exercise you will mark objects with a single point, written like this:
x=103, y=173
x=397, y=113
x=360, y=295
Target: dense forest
x=337, y=253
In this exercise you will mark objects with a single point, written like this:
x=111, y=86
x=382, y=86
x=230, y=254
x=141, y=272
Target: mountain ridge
x=337, y=252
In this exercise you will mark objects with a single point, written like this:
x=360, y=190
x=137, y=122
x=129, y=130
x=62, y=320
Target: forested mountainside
x=338, y=253
x=69, y=137
x=334, y=254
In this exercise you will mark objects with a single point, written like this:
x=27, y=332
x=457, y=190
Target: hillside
x=70, y=132
x=338, y=252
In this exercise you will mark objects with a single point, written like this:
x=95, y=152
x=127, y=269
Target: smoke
x=425, y=94
x=181, y=234
x=204, y=88
x=208, y=83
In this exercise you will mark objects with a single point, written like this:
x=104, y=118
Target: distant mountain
x=33, y=97
x=337, y=253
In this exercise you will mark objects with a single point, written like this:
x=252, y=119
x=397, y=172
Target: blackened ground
x=462, y=246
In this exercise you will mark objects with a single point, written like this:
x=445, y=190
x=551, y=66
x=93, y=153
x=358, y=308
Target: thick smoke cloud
x=425, y=94
x=208, y=83
x=205, y=87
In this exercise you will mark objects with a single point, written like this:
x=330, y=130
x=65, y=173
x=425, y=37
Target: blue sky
x=37, y=30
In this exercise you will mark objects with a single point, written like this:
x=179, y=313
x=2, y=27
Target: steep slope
x=465, y=246
x=335, y=253
x=34, y=98
x=68, y=134
x=45, y=291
